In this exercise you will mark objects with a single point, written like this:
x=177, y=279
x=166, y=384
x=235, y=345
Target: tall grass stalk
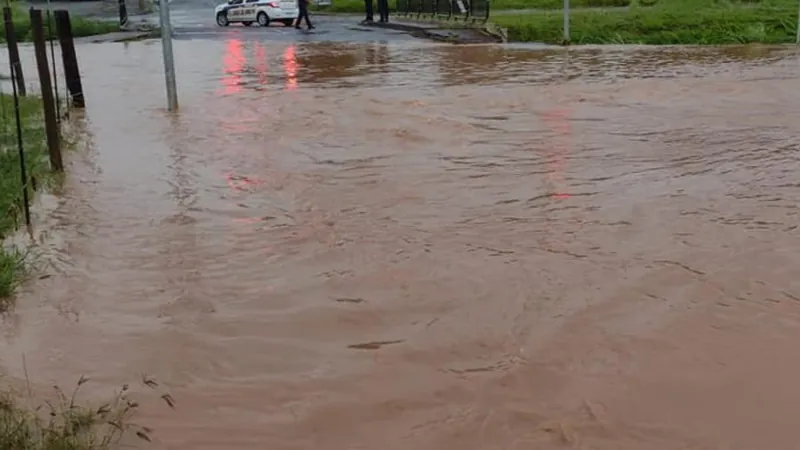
x=65, y=423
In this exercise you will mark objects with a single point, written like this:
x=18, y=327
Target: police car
x=261, y=11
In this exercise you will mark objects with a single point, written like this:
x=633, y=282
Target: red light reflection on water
x=260, y=55
x=233, y=63
x=558, y=120
x=290, y=67
x=241, y=182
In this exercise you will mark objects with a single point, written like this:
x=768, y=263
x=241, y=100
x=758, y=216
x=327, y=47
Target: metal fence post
x=566, y=21
x=21, y=150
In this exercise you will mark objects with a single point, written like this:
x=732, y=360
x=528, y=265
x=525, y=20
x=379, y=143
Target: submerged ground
x=391, y=243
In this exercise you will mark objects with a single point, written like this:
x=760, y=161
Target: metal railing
x=463, y=10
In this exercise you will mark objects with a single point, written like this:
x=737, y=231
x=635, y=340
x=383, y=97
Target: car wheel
x=263, y=19
x=247, y=23
x=222, y=19
x=288, y=22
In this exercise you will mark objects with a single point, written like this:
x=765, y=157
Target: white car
x=261, y=11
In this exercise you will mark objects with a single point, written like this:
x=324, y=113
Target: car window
x=252, y=1
x=235, y=2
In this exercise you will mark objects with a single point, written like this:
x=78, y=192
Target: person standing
x=383, y=10
x=368, y=8
x=302, y=5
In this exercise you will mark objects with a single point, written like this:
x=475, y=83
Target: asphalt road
x=189, y=24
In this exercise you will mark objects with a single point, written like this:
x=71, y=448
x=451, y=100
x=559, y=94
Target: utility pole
x=797, y=40
x=169, y=61
x=566, y=22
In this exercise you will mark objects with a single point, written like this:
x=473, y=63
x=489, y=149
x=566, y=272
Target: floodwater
x=412, y=246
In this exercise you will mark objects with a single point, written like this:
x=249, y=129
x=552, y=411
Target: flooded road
x=195, y=19
x=412, y=246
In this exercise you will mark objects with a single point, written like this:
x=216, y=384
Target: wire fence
x=463, y=10
x=30, y=125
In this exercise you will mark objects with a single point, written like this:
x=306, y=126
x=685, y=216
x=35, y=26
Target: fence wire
x=464, y=10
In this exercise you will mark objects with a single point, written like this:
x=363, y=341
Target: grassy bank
x=80, y=26
x=694, y=22
x=37, y=165
x=357, y=6
x=63, y=423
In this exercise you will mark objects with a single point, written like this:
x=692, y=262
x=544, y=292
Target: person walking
x=368, y=8
x=302, y=5
x=383, y=10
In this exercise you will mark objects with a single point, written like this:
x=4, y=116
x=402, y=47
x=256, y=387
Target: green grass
x=80, y=26
x=693, y=22
x=12, y=270
x=66, y=424
x=357, y=6
x=37, y=166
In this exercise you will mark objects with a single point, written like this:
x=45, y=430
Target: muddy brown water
x=408, y=246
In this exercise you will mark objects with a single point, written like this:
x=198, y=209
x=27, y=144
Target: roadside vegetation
x=64, y=423
x=81, y=26
x=357, y=6
x=12, y=261
x=648, y=22
x=668, y=22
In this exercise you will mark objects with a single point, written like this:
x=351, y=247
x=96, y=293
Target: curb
x=495, y=31
x=119, y=36
x=436, y=33
x=396, y=26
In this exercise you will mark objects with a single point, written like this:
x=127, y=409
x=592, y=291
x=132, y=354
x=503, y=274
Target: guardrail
x=464, y=10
